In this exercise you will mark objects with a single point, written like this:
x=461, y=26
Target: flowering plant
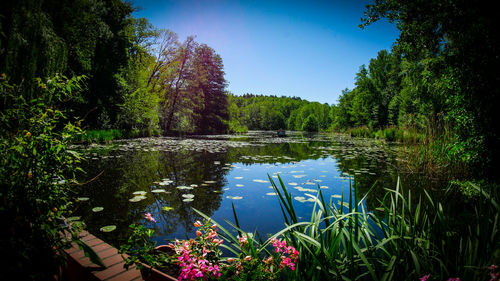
x=200, y=257
x=254, y=267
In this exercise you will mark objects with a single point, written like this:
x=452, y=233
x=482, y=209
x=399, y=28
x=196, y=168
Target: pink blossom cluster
x=425, y=277
x=495, y=276
x=193, y=255
x=289, y=255
x=195, y=266
x=149, y=217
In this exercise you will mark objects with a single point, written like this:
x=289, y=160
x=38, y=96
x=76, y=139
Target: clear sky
x=310, y=49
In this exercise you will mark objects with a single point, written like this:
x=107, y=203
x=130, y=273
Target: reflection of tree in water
x=186, y=168
x=138, y=171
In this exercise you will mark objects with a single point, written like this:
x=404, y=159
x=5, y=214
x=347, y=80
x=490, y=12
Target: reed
x=404, y=239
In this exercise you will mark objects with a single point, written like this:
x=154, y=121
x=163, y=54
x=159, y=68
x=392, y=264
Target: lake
x=169, y=176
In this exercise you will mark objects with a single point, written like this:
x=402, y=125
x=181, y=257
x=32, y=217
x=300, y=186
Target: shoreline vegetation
x=88, y=64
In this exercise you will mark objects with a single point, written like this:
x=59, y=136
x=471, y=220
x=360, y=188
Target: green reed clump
x=99, y=136
x=407, y=136
x=404, y=239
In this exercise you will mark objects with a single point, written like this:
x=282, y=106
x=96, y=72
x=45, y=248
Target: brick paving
x=80, y=268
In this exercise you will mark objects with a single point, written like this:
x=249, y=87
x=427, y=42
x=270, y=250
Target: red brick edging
x=80, y=268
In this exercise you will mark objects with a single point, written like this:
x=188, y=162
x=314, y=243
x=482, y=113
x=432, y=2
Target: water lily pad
x=76, y=218
x=97, y=209
x=108, y=228
x=271, y=193
x=167, y=208
x=82, y=198
x=216, y=162
x=298, y=176
x=182, y=187
x=337, y=196
x=293, y=183
x=158, y=190
x=137, y=198
x=323, y=187
x=190, y=196
x=238, y=178
x=141, y=192
x=261, y=181
x=188, y=200
x=210, y=182
x=234, y=197
x=240, y=185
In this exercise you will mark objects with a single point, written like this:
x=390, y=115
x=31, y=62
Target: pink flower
x=230, y=260
x=425, y=277
x=149, y=217
x=214, y=226
x=212, y=234
x=453, y=279
x=218, y=241
x=247, y=258
x=243, y=240
x=198, y=233
x=197, y=224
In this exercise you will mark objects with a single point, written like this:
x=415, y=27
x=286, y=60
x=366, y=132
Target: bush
x=36, y=172
x=310, y=124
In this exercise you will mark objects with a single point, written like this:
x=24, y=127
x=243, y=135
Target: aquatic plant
x=401, y=240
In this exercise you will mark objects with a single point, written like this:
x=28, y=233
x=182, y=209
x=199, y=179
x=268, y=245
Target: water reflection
x=211, y=173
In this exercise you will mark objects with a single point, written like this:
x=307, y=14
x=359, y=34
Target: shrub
x=310, y=124
x=36, y=172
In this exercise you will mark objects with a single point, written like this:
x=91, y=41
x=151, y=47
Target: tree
x=459, y=39
x=310, y=124
x=208, y=85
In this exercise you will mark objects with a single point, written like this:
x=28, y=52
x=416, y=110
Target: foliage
x=407, y=136
x=403, y=240
x=310, y=124
x=70, y=37
x=273, y=113
x=98, y=136
x=450, y=71
x=140, y=248
x=36, y=172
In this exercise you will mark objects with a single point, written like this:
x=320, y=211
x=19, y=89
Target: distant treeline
x=258, y=112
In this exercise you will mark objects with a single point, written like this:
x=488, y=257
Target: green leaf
x=90, y=253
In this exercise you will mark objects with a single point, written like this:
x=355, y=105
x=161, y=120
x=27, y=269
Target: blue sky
x=309, y=49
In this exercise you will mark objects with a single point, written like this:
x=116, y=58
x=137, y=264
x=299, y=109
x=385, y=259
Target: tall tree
x=211, y=114
x=462, y=34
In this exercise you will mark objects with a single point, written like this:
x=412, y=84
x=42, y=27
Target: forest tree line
x=139, y=78
x=439, y=78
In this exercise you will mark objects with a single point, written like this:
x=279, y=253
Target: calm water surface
x=210, y=173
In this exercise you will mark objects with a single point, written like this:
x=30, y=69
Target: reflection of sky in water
x=238, y=175
x=257, y=209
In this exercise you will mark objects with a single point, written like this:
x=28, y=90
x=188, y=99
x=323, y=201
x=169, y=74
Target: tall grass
x=390, y=134
x=434, y=157
x=406, y=239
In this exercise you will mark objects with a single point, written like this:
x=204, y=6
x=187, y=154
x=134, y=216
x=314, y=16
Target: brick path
x=80, y=268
